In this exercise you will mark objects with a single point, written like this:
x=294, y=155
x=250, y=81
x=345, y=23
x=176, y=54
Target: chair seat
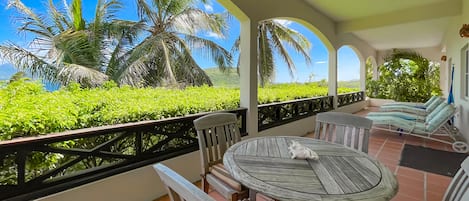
x=219, y=171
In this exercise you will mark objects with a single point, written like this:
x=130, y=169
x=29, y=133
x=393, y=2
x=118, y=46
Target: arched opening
x=348, y=70
x=407, y=76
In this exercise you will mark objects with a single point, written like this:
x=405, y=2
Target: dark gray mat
x=431, y=160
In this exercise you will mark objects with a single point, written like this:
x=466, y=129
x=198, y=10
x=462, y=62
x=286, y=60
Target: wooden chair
x=216, y=133
x=458, y=189
x=343, y=128
x=179, y=189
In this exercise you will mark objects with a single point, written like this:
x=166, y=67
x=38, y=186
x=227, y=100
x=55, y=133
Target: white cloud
x=208, y=8
x=320, y=62
x=283, y=22
x=214, y=35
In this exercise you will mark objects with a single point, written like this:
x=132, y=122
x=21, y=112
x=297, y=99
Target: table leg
x=252, y=195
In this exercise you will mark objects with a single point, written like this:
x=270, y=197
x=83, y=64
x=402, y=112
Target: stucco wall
x=454, y=45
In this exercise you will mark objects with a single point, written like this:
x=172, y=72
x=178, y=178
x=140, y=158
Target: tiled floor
x=414, y=185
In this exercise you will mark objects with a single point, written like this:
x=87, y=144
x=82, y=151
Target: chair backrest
x=434, y=104
x=440, y=118
x=216, y=133
x=179, y=189
x=343, y=128
x=430, y=101
x=458, y=189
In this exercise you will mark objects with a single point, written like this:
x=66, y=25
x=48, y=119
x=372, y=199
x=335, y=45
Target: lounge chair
x=421, y=105
x=409, y=116
x=435, y=124
x=412, y=109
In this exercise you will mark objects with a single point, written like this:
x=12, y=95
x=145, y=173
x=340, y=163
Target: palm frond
x=24, y=60
x=78, y=21
x=77, y=48
x=145, y=12
x=210, y=49
x=193, y=20
x=30, y=21
x=86, y=76
x=293, y=38
x=58, y=18
x=282, y=51
x=134, y=73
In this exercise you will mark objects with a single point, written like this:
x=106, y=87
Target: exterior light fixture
x=443, y=58
x=464, y=31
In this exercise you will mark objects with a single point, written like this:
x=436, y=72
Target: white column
x=333, y=75
x=362, y=75
x=375, y=71
x=248, y=74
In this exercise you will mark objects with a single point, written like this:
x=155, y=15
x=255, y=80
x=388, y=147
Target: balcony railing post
x=21, y=165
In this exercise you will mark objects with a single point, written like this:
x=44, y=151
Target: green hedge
x=26, y=109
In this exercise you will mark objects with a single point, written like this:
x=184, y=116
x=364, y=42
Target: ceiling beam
x=427, y=12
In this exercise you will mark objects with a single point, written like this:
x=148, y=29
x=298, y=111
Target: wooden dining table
x=265, y=165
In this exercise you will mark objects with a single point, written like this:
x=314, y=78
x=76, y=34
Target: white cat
x=299, y=151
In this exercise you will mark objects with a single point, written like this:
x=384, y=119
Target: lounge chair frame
x=444, y=129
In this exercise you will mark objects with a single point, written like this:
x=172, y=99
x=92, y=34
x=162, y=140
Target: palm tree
x=67, y=49
x=166, y=53
x=273, y=37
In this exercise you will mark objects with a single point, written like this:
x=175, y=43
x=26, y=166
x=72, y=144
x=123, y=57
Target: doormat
x=431, y=160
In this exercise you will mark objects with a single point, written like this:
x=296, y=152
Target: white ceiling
x=387, y=24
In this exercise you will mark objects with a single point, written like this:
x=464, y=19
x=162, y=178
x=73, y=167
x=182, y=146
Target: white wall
x=142, y=184
x=454, y=43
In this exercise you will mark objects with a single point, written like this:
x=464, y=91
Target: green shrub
x=26, y=109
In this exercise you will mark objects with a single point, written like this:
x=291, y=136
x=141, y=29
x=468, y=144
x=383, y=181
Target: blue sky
x=348, y=62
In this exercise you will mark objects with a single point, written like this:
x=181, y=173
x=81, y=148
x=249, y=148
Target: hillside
x=223, y=79
x=349, y=84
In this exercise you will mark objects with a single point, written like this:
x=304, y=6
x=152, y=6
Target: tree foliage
x=275, y=38
x=405, y=76
x=26, y=109
x=65, y=48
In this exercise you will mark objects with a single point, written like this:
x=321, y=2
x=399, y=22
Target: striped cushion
x=436, y=111
x=219, y=171
x=439, y=118
x=434, y=104
x=430, y=101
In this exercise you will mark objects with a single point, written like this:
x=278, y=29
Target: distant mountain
x=229, y=78
x=6, y=71
x=349, y=84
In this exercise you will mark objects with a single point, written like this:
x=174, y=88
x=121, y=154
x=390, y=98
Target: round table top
x=265, y=165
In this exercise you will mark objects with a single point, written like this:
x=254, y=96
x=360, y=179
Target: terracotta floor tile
x=414, y=182
x=401, y=197
x=390, y=155
x=434, y=196
x=439, y=180
x=411, y=191
x=410, y=172
x=435, y=188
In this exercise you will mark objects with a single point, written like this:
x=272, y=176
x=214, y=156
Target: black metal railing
x=350, y=98
x=36, y=166
x=276, y=114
